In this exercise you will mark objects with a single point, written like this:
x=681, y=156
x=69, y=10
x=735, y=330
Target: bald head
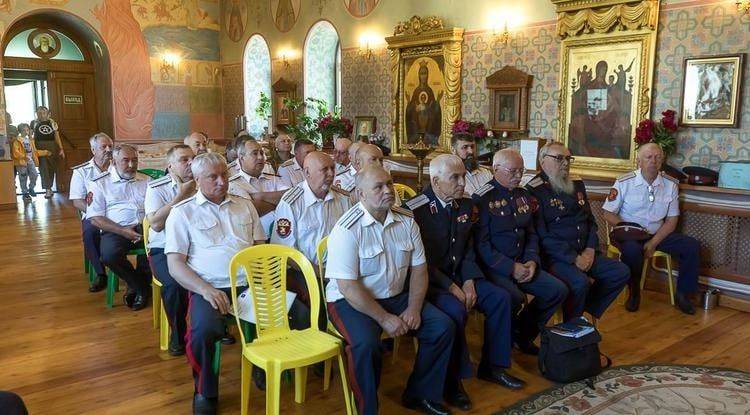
x=319, y=170
x=353, y=148
x=445, y=163
x=341, y=151
x=507, y=166
x=650, y=156
x=375, y=189
x=198, y=142
x=367, y=155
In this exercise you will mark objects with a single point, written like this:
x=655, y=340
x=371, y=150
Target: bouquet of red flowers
x=473, y=128
x=661, y=133
x=333, y=124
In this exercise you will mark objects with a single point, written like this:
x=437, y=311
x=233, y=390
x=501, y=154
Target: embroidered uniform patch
x=89, y=198
x=612, y=194
x=283, y=227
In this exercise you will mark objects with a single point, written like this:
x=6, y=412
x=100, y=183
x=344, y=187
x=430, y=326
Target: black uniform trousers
x=206, y=325
x=365, y=357
x=548, y=292
x=91, y=236
x=173, y=296
x=115, y=250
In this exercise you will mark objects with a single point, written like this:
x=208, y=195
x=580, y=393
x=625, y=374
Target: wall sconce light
x=284, y=56
x=168, y=70
x=743, y=6
x=365, y=51
x=502, y=35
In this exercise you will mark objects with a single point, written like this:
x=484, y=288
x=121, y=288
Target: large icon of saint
x=423, y=113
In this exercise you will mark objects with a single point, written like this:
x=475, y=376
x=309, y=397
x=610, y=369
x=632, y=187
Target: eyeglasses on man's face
x=560, y=158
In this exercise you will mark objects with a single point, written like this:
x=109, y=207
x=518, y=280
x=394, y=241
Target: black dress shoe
x=425, y=406
x=129, y=298
x=100, y=283
x=176, y=350
x=458, y=398
x=499, y=376
x=684, y=304
x=228, y=339
x=140, y=302
x=527, y=347
x=203, y=405
x=634, y=301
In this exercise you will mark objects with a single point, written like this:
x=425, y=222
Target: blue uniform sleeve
x=531, y=249
x=593, y=239
x=469, y=268
x=557, y=250
x=438, y=278
x=495, y=261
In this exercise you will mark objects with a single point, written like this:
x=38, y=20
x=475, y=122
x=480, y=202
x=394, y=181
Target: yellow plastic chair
x=614, y=252
x=159, y=314
x=404, y=192
x=277, y=347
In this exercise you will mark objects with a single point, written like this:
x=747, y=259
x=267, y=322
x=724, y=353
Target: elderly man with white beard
x=568, y=234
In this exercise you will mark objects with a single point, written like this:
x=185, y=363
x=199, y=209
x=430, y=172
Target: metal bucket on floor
x=710, y=298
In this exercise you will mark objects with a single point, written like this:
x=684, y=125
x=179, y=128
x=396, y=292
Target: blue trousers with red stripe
x=206, y=325
x=362, y=336
x=492, y=301
x=173, y=296
x=687, y=250
x=92, y=236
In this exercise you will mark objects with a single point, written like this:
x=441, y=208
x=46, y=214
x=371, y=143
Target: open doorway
x=24, y=92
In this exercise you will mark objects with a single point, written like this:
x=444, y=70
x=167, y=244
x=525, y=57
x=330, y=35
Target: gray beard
x=562, y=185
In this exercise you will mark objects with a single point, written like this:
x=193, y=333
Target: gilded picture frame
x=365, y=125
x=425, y=63
x=711, y=91
x=606, y=76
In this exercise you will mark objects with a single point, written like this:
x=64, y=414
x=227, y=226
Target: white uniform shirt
x=210, y=235
x=345, y=179
x=629, y=199
x=380, y=254
x=79, y=181
x=119, y=200
x=159, y=193
x=477, y=179
x=341, y=167
x=234, y=168
x=302, y=219
x=243, y=184
x=291, y=172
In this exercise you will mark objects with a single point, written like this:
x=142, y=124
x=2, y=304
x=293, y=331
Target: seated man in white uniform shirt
x=345, y=177
x=116, y=207
x=203, y=233
x=251, y=182
x=291, y=170
x=198, y=142
x=341, y=154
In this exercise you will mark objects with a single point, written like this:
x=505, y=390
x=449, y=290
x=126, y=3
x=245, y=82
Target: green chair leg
x=113, y=285
x=216, y=363
x=92, y=273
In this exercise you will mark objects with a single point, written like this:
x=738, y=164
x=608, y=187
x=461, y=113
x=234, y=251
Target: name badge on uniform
x=581, y=199
x=433, y=207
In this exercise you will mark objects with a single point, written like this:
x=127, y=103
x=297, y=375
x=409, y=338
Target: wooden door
x=72, y=102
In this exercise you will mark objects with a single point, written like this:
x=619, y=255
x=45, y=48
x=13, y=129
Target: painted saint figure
x=423, y=113
x=285, y=15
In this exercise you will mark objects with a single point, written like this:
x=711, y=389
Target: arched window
x=257, y=68
x=323, y=64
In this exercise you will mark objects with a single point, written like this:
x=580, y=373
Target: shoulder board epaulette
x=184, y=201
x=270, y=174
x=81, y=165
x=351, y=217
x=105, y=174
x=340, y=190
x=484, y=189
x=346, y=170
x=418, y=201
x=292, y=194
x=670, y=178
x=287, y=163
x=235, y=177
x=626, y=176
x=243, y=197
x=402, y=211
x=484, y=168
x=160, y=181
x=232, y=164
x=535, y=182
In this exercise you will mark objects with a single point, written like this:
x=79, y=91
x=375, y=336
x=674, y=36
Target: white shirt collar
x=201, y=199
x=641, y=181
x=248, y=178
x=309, y=196
x=116, y=176
x=368, y=219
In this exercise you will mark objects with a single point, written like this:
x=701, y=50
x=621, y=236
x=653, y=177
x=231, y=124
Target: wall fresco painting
x=360, y=8
x=285, y=13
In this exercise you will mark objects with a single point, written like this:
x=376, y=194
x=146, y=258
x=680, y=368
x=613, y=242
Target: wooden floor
x=65, y=353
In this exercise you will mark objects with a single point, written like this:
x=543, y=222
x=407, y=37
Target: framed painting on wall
x=426, y=90
x=364, y=126
x=711, y=89
x=509, y=100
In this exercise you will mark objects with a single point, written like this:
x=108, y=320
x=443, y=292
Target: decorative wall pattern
x=357, y=97
x=710, y=29
x=257, y=68
x=232, y=96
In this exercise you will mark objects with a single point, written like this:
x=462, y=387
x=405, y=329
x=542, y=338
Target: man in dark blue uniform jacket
x=508, y=248
x=567, y=230
x=457, y=284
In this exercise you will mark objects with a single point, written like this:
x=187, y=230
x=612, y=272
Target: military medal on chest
x=522, y=205
x=555, y=202
x=581, y=200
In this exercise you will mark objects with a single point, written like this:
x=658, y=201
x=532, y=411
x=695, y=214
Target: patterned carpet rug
x=646, y=390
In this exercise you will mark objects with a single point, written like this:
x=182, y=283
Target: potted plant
x=322, y=125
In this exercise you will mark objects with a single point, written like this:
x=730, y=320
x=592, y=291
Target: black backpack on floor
x=565, y=359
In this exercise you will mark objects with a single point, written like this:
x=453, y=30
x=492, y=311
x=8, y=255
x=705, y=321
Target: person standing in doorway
x=25, y=160
x=47, y=138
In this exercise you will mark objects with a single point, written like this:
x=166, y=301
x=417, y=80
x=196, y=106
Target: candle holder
x=420, y=151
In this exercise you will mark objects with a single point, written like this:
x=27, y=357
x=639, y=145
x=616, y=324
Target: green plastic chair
x=153, y=173
x=113, y=282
